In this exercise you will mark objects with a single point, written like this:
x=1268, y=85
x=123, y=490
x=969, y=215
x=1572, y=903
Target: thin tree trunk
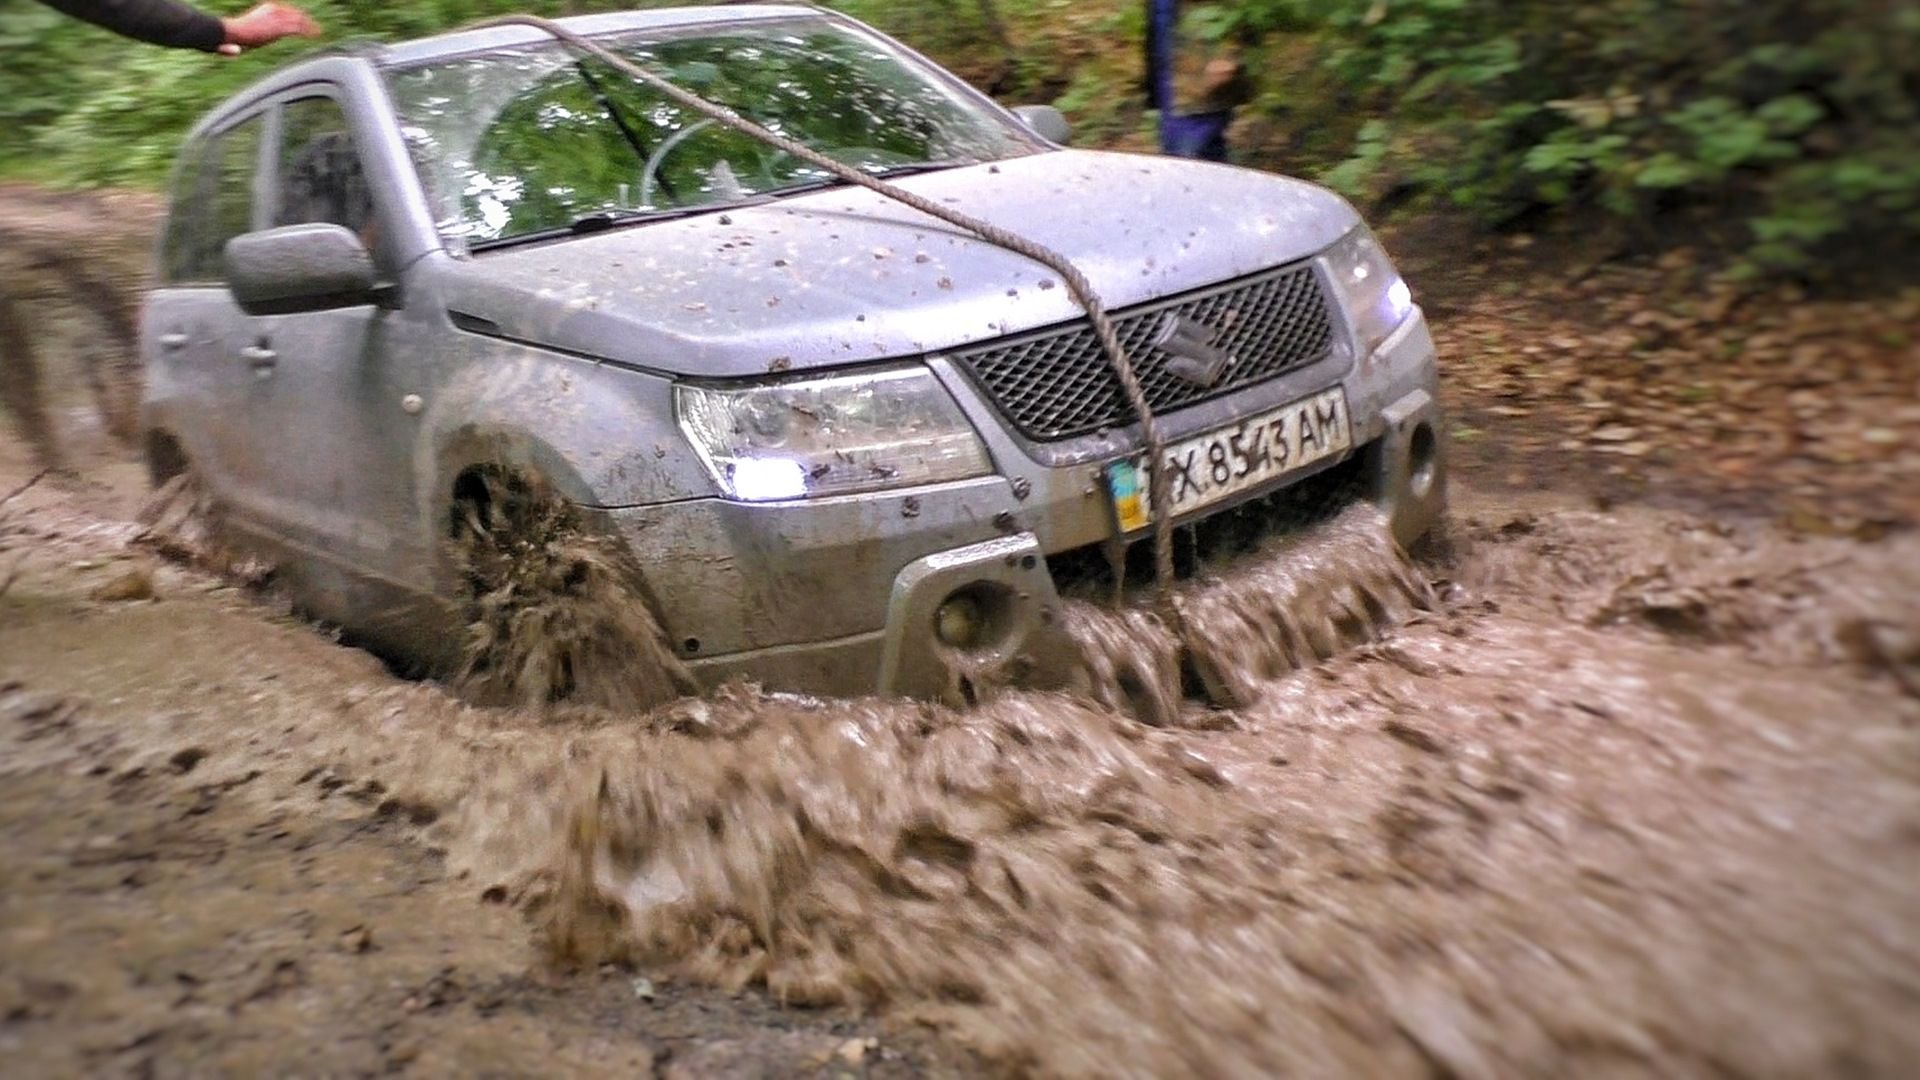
x=997, y=29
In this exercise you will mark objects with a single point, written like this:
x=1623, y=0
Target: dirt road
x=1608, y=790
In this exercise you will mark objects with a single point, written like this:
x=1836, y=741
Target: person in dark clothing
x=1195, y=82
x=177, y=26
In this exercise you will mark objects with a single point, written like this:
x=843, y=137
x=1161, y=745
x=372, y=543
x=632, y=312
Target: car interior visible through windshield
x=534, y=141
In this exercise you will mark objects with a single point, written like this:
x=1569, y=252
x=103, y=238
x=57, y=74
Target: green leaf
x=1790, y=115
x=1666, y=170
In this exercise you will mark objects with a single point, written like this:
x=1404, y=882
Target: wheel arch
x=469, y=452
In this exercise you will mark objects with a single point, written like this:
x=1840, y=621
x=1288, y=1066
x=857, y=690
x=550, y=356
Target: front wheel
x=551, y=611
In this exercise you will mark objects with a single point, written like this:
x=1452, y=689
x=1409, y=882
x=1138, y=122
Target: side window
x=184, y=208
x=212, y=203
x=320, y=177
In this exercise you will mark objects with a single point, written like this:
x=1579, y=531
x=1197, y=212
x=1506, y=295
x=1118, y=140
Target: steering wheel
x=651, y=170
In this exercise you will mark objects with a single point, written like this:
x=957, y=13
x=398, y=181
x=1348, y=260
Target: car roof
x=460, y=42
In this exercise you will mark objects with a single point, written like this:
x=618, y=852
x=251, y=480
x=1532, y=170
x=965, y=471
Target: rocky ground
x=1636, y=791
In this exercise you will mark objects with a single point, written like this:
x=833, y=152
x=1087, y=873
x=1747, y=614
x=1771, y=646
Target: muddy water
x=1611, y=792
x=1302, y=598
x=1608, y=791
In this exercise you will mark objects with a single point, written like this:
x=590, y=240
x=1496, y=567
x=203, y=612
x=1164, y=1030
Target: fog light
x=959, y=622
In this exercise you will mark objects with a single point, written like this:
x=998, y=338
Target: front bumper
x=842, y=596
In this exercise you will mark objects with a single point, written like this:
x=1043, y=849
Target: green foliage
x=84, y=106
x=1797, y=116
x=1800, y=114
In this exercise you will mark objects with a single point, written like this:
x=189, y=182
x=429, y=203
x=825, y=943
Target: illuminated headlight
x=830, y=436
x=1369, y=286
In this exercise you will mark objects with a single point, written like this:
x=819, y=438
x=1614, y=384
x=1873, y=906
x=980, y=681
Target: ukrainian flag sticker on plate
x=1128, y=486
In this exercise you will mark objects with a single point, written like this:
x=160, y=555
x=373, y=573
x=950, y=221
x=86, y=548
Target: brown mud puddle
x=1623, y=792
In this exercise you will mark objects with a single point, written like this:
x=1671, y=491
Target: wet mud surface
x=1609, y=792
x=196, y=882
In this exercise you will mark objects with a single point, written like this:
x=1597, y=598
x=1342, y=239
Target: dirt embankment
x=71, y=270
x=1659, y=381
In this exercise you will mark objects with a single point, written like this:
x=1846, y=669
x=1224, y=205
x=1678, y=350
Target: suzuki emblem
x=1192, y=355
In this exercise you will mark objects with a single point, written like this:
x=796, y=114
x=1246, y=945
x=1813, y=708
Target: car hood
x=846, y=275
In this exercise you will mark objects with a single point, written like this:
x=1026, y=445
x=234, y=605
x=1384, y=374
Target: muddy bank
x=71, y=269
x=1622, y=791
x=197, y=881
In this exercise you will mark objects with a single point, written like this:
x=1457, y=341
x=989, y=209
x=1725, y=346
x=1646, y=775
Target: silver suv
x=849, y=446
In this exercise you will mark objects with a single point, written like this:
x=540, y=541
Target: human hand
x=264, y=24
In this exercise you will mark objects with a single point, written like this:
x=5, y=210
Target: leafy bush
x=1800, y=113
x=84, y=106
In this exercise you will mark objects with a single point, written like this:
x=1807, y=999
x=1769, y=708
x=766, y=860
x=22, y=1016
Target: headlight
x=1369, y=286
x=831, y=436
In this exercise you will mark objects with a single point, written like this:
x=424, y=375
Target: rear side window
x=213, y=202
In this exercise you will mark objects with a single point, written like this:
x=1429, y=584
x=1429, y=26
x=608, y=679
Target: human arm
x=1209, y=67
x=177, y=26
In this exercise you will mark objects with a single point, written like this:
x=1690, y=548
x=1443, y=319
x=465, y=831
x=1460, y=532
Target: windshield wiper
x=602, y=220
x=920, y=167
x=619, y=119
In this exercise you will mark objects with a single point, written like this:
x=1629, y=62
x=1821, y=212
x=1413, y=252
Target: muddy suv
x=849, y=447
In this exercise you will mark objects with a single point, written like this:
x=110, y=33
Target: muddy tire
x=182, y=520
x=550, y=611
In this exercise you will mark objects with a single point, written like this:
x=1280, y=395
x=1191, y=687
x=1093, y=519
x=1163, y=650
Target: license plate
x=1216, y=466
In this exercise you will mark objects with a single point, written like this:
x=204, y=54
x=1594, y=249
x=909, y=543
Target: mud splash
x=1492, y=839
x=1528, y=820
x=1301, y=598
x=555, y=613
x=181, y=520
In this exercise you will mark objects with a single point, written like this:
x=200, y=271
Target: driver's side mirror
x=299, y=268
x=1047, y=122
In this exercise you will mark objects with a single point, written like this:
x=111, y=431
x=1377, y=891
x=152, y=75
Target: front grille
x=1059, y=383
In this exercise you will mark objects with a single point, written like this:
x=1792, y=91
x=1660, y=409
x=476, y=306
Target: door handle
x=260, y=358
x=173, y=342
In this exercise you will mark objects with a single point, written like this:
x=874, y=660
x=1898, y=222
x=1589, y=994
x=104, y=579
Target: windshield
x=523, y=142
